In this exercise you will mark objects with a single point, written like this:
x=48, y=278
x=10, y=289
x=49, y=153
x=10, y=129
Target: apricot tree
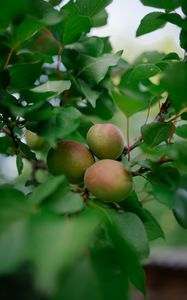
x=62, y=237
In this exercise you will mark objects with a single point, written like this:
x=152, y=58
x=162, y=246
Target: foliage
x=55, y=78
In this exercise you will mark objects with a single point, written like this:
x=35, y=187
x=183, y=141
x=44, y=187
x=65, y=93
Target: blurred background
x=124, y=19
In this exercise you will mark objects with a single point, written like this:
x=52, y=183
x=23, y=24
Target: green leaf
x=176, y=85
x=56, y=243
x=26, y=151
x=4, y=79
x=184, y=116
x=155, y=133
x=55, y=87
x=171, y=56
x=100, y=19
x=92, y=46
x=6, y=145
x=10, y=11
x=91, y=8
x=105, y=107
x=181, y=131
x=13, y=243
x=150, y=22
x=111, y=284
x=130, y=228
x=47, y=58
x=149, y=57
x=94, y=69
x=152, y=227
x=183, y=39
x=64, y=201
x=8, y=103
x=19, y=163
x=63, y=122
x=176, y=151
x=24, y=75
x=13, y=207
x=38, y=112
x=3, y=25
x=90, y=94
x=184, y=7
x=84, y=280
x=128, y=256
x=1, y=126
x=73, y=27
x=173, y=18
x=167, y=175
x=164, y=194
x=155, y=89
x=45, y=189
x=25, y=31
x=55, y=2
x=142, y=72
x=52, y=17
x=180, y=207
x=166, y=4
x=165, y=181
x=85, y=125
x=131, y=102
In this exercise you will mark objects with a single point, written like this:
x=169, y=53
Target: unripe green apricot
x=71, y=159
x=108, y=180
x=105, y=141
x=34, y=141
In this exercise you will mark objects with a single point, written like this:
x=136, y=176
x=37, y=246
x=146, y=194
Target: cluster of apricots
x=96, y=164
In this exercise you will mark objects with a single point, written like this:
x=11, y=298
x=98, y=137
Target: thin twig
x=59, y=59
x=133, y=146
x=159, y=118
x=128, y=141
x=9, y=57
x=163, y=111
x=148, y=110
x=6, y=131
x=49, y=33
x=14, y=138
x=171, y=134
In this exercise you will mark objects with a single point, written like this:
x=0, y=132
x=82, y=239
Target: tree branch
x=36, y=165
x=133, y=146
x=159, y=118
x=142, y=170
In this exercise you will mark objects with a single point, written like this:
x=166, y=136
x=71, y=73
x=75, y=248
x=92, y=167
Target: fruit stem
x=147, y=199
x=85, y=195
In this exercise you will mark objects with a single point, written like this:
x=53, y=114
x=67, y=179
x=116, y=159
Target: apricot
x=108, y=180
x=106, y=141
x=34, y=141
x=71, y=159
